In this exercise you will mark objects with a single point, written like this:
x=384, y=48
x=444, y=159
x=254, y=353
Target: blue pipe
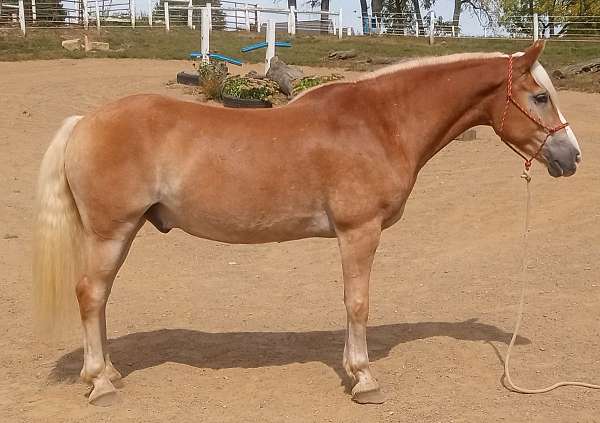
x=217, y=56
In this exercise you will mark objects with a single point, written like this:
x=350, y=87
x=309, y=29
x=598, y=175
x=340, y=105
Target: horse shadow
x=142, y=350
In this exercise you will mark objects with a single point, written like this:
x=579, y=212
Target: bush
x=312, y=81
x=250, y=88
x=212, y=75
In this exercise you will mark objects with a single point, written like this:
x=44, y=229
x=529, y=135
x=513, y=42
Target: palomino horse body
x=339, y=161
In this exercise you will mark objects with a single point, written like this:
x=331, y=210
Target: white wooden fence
x=229, y=16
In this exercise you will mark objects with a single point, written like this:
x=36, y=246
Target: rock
x=72, y=45
x=254, y=75
x=381, y=60
x=343, y=54
x=284, y=75
x=100, y=46
x=469, y=135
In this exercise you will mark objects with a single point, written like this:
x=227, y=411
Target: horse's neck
x=427, y=107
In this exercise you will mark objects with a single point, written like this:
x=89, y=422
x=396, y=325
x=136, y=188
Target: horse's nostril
x=578, y=158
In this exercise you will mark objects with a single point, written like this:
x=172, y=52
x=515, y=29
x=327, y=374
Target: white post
x=97, y=15
x=190, y=12
x=150, y=13
x=205, y=33
x=453, y=33
x=86, y=21
x=431, y=26
x=132, y=12
x=536, y=30
x=416, y=26
x=246, y=17
x=209, y=7
x=258, y=23
x=349, y=32
x=22, y=16
x=167, y=23
x=270, y=44
x=340, y=24
x=33, y=11
x=292, y=21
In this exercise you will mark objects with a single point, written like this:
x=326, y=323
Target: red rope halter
x=510, y=99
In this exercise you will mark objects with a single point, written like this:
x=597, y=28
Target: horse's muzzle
x=561, y=157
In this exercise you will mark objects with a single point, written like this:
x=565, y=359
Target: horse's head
x=529, y=121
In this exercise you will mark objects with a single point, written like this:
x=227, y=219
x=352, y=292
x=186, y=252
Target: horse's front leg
x=357, y=247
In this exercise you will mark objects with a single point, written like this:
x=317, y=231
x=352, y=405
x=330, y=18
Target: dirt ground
x=207, y=332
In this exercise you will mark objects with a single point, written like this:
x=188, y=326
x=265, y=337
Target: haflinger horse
x=337, y=162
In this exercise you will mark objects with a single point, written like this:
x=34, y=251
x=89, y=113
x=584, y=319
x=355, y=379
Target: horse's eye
x=541, y=98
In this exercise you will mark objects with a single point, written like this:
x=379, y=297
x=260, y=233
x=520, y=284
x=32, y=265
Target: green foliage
x=250, y=88
x=212, y=75
x=312, y=81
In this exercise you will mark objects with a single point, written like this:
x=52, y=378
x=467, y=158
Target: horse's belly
x=243, y=229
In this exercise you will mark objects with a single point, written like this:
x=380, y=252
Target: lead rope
x=509, y=384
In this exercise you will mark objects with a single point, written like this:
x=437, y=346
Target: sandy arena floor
x=206, y=332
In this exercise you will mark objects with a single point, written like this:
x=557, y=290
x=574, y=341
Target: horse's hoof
x=104, y=393
x=373, y=396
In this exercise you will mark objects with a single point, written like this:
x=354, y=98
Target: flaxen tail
x=57, y=254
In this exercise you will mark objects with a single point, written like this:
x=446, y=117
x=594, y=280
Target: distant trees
x=556, y=17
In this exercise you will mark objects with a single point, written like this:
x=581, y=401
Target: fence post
x=416, y=26
x=97, y=15
x=33, y=11
x=536, y=30
x=132, y=12
x=258, y=23
x=291, y=19
x=246, y=17
x=86, y=21
x=150, y=13
x=431, y=27
x=453, y=32
x=209, y=7
x=270, y=44
x=340, y=24
x=22, y=16
x=205, y=33
x=190, y=12
x=167, y=23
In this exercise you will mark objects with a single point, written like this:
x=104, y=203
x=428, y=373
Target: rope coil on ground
x=508, y=383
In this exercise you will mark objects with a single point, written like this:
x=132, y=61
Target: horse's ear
x=525, y=61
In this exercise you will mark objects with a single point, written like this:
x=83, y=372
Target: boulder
x=72, y=45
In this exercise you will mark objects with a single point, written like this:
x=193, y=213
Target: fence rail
x=228, y=15
x=231, y=15
x=555, y=27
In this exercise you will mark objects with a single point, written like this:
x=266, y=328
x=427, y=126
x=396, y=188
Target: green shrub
x=212, y=75
x=312, y=81
x=250, y=88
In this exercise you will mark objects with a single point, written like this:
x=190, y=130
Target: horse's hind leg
x=105, y=259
